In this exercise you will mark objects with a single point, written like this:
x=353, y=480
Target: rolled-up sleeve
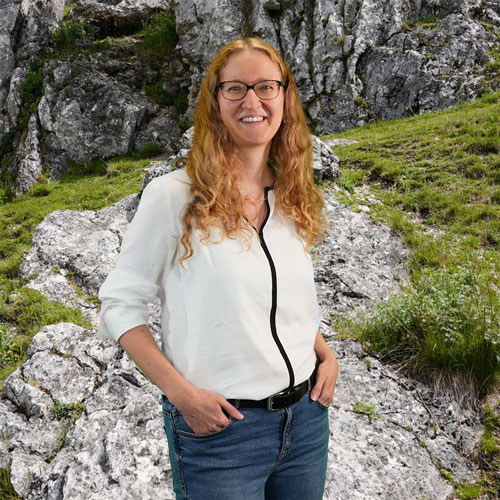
x=147, y=250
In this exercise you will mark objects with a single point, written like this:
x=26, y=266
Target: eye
x=267, y=86
x=234, y=87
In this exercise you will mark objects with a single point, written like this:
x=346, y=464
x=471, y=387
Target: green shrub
x=69, y=34
x=32, y=87
x=446, y=320
x=161, y=96
x=181, y=103
x=11, y=350
x=69, y=412
x=160, y=37
x=365, y=407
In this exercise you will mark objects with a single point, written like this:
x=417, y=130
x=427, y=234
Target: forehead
x=250, y=65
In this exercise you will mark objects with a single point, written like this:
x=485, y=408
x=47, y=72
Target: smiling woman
x=224, y=243
x=250, y=119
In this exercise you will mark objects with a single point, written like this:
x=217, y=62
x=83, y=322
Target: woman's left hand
x=326, y=373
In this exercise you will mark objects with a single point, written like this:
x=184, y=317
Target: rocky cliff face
x=354, y=61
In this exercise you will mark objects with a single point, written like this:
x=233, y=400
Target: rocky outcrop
x=355, y=61
x=86, y=115
x=104, y=430
x=118, y=17
x=30, y=165
x=23, y=33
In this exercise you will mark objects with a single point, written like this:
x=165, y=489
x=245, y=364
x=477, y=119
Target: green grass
x=438, y=178
x=7, y=491
x=89, y=186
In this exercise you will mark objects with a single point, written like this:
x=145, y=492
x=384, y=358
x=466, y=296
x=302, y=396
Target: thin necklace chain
x=248, y=195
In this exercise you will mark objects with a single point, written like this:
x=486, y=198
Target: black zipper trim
x=274, y=304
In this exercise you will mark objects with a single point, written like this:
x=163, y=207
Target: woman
x=246, y=377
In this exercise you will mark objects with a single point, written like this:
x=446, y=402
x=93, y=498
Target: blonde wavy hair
x=209, y=164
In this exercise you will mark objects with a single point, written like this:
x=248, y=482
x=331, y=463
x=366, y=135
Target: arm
x=201, y=409
x=326, y=376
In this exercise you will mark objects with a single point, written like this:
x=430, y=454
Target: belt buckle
x=270, y=399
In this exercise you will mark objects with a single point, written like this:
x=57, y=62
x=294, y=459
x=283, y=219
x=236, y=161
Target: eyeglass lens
x=267, y=89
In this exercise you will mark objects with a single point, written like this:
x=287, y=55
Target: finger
x=316, y=390
x=232, y=410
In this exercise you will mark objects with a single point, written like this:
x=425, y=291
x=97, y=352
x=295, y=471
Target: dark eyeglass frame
x=279, y=82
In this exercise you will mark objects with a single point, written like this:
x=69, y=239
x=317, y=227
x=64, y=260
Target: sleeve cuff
x=116, y=320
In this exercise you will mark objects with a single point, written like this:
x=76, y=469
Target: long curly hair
x=209, y=164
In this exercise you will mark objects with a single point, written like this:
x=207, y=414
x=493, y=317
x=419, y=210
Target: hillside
x=434, y=179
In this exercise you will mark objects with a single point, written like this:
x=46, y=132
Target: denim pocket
x=182, y=428
x=321, y=405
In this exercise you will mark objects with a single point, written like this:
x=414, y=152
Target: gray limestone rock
x=24, y=32
x=86, y=244
x=163, y=168
x=13, y=102
x=30, y=162
x=86, y=115
x=358, y=264
x=28, y=468
x=162, y=129
x=354, y=61
x=118, y=16
x=325, y=161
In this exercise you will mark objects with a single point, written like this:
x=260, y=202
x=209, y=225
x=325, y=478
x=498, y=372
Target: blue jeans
x=279, y=455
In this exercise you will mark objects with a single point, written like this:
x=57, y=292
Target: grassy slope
x=25, y=311
x=438, y=178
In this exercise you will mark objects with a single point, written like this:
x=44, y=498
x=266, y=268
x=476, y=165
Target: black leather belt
x=279, y=400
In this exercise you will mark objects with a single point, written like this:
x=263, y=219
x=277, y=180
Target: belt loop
x=237, y=403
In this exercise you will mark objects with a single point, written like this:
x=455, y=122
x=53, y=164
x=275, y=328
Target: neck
x=253, y=169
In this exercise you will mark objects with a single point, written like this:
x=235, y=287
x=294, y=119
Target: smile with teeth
x=252, y=119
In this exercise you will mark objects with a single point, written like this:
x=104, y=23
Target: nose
x=251, y=100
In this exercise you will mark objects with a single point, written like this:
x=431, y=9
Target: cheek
x=226, y=114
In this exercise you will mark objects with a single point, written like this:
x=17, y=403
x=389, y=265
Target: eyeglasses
x=266, y=89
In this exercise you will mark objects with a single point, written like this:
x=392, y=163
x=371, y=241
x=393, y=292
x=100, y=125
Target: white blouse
x=235, y=320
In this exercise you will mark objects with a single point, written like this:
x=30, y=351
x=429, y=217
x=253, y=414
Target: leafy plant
x=365, y=407
x=69, y=33
x=150, y=150
x=32, y=86
x=69, y=412
x=447, y=319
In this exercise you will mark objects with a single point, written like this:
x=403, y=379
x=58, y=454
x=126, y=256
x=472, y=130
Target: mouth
x=252, y=119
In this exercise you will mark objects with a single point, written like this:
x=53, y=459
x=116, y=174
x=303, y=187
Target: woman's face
x=251, y=66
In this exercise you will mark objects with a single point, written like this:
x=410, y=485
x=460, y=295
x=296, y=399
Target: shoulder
x=174, y=186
